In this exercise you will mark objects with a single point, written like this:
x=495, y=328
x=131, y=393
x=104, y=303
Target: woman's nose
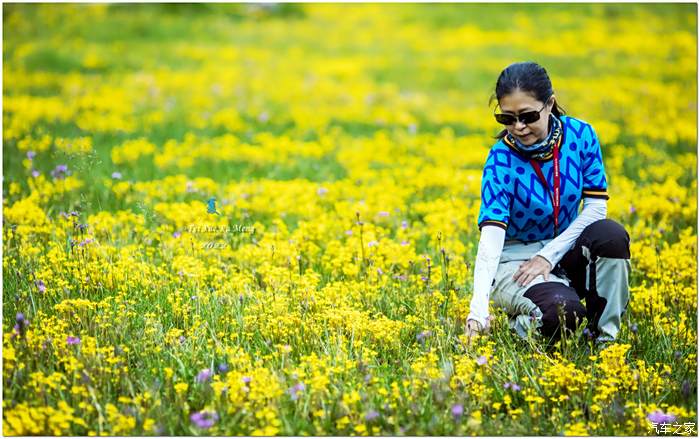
x=519, y=125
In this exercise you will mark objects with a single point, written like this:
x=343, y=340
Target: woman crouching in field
x=537, y=256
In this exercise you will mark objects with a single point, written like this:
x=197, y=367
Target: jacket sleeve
x=487, y=257
x=496, y=196
x=595, y=184
x=594, y=209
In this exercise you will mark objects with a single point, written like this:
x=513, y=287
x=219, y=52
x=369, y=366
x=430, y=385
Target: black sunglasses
x=527, y=118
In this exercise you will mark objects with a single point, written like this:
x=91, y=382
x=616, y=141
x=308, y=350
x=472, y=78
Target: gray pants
x=596, y=269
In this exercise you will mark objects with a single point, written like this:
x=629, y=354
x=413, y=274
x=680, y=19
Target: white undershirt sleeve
x=594, y=209
x=487, y=257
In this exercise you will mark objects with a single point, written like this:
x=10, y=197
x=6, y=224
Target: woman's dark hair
x=529, y=77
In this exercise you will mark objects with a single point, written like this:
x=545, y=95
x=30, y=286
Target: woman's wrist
x=480, y=320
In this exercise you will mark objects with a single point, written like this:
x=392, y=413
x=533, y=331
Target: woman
x=537, y=256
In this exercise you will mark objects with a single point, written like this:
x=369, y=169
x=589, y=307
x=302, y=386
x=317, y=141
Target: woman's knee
x=606, y=238
x=558, y=304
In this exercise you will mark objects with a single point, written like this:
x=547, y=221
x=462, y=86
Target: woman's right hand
x=474, y=328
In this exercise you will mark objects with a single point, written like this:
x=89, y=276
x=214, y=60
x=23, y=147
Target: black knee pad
x=606, y=238
x=550, y=297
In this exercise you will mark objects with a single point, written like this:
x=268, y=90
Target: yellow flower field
x=238, y=219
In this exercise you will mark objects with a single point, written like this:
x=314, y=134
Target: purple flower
x=204, y=419
x=371, y=415
x=457, y=410
x=632, y=209
x=513, y=386
x=322, y=191
x=404, y=224
x=35, y=173
x=31, y=154
x=84, y=377
x=70, y=340
x=264, y=116
x=177, y=234
x=588, y=333
x=348, y=232
x=634, y=328
x=372, y=243
x=246, y=379
x=404, y=242
x=223, y=367
x=40, y=285
x=60, y=171
x=423, y=335
x=182, y=339
x=204, y=376
x=295, y=390
x=660, y=417
x=412, y=128
x=21, y=324
x=383, y=213
x=116, y=175
x=85, y=241
x=379, y=271
x=481, y=360
x=686, y=388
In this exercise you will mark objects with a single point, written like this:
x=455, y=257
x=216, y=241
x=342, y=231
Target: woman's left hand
x=531, y=269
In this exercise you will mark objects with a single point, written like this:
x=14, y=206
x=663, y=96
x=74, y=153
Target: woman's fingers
x=521, y=275
x=528, y=276
x=524, y=280
x=530, y=270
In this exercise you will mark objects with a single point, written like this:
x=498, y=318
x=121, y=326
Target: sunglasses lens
x=529, y=117
x=505, y=119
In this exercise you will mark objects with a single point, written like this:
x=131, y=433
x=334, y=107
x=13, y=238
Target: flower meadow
x=261, y=219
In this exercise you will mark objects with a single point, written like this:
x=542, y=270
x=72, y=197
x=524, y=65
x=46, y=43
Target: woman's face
x=519, y=102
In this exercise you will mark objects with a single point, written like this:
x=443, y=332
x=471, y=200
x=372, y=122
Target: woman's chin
x=527, y=140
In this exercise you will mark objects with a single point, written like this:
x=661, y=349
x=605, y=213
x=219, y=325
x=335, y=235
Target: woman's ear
x=552, y=100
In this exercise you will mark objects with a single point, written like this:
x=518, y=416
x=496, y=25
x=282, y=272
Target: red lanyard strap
x=555, y=196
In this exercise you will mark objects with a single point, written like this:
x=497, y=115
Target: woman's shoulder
x=499, y=146
x=577, y=126
x=498, y=158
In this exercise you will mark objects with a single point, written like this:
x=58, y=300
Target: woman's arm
x=594, y=209
x=487, y=256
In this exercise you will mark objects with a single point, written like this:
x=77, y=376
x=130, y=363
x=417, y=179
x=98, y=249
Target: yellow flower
x=181, y=388
x=577, y=429
x=341, y=423
x=148, y=424
x=361, y=429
